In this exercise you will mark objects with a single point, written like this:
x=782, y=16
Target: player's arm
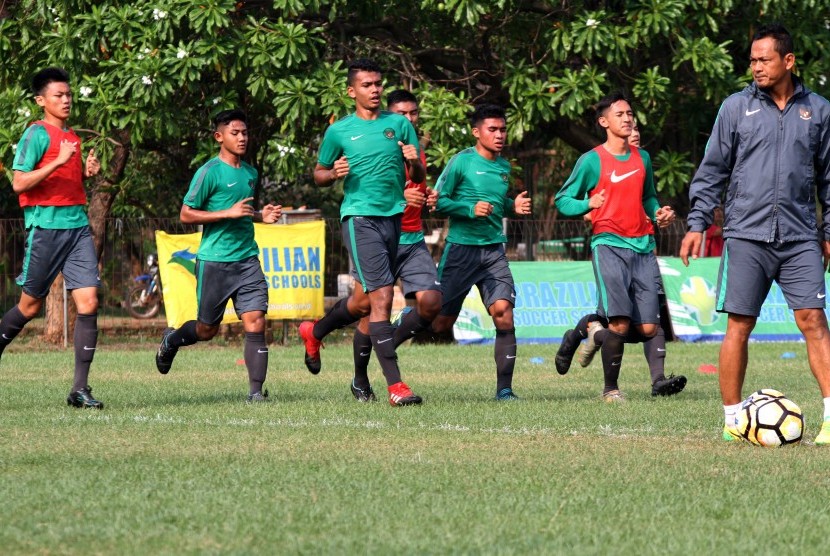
x=325, y=176
x=92, y=165
x=410, y=147
x=240, y=209
x=446, y=205
x=650, y=203
x=269, y=214
x=572, y=199
x=823, y=185
x=30, y=150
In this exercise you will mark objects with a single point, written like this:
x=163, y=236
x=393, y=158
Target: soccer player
x=48, y=179
x=414, y=265
x=770, y=150
x=227, y=264
x=615, y=181
x=472, y=191
x=371, y=150
x=654, y=348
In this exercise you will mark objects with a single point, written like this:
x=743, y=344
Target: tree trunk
x=101, y=197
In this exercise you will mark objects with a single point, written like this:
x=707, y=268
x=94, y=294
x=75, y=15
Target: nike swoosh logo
x=749, y=113
x=262, y=350
x=820, y=295
x=510, y=357
x=6, y=337
x=365, y=354
x=437, y=283
x=615, y=364
x=617, y=179
x=89, y=349
x=480, y=173
x=384, y=341
x=356, y=137
x=231, y=184
x=658, y=349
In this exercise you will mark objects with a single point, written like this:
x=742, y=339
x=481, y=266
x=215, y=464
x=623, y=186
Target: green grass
x=179, y=464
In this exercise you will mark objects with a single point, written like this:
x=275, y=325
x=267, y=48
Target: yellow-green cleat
x=823, y=438
x=730, y=434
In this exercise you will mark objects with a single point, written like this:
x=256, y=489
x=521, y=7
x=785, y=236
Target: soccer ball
x=768, y=418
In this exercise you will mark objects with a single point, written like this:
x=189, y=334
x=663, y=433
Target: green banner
x=551, y=297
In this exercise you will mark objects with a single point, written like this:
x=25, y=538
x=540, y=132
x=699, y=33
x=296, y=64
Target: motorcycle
x=144, y=296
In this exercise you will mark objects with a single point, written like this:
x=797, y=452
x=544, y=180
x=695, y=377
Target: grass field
x=180, y=464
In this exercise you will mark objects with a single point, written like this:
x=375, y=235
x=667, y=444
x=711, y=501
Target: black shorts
x=49, y=252
x=627, y=284
x=241, y=282
x=372, y=243
x=465, y=266
x=416, y=269
x=748, y=268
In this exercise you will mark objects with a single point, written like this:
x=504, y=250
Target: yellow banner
x=292, y=258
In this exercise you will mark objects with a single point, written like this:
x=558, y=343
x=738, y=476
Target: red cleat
x=400, y=394
x=312, y=347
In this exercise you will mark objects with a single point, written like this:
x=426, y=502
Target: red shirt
x=622, y=213
x=64, y=186
x=411, y=221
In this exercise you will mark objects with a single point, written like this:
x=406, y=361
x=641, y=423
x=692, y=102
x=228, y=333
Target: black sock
x=184, y=335
x=256, y=359
x=338, y=317
x=384, y=346
x=411, y=324
x=655, y=352
x=505, y=355
x=612, y=354
x=85, y=340
x=11, y=325
x=581, y=327
x=362, y=345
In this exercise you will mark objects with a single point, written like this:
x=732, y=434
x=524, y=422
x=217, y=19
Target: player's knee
x=205, y=332
x=649, y=330
x=429, y=304
x=812, y=322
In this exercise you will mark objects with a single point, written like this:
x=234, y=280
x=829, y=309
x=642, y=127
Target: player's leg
x=213, y=290
x=611, y=342
x=250, y=301
x=16, y=318
x=571, y=341
x=362, y=350
x=419, y=279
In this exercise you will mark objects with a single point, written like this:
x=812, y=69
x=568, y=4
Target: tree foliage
x=148, y=75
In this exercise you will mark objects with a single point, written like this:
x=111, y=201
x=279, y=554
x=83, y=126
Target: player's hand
x=588, y=217
x=690, y=246
x=340, y=168
x=482, y=209
x=596, y=201
x=410, y=152
x=665, y=216
x=522, y=204
x=241, y=209
x=66, y=152
x=271, y=213
x=432, y=199
x=93, y=165
x=414, y=197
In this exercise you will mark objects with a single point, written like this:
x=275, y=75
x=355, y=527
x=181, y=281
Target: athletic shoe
x=400, y=394
x=399, y=316
x=823, y=438
x=363, y=394
x=731, y=434
x=565, y=353
x=613, y=396
x=258, y=397
x=83, y=398
x=668, y=386
x=312, y=347
x=506, y=395
x=588, y=349
x=165, y=353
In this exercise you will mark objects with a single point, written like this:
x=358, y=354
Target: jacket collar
x=799, y=89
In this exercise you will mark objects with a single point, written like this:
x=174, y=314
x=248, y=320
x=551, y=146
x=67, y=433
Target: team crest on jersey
x=251, y=184
x=805, y=113
x=505, y=178
x=389, y=133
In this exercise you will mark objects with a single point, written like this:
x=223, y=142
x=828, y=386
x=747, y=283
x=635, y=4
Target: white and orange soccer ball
x=769, y=418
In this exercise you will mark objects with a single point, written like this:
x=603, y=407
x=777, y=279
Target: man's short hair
x=227, y=116
x=485, y=112
x=398, y=96
x=361, y=64
x=782, y=37
x=49, y=75
x=605, y=102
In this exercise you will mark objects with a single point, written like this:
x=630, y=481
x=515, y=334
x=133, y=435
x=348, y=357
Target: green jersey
x=218, y=186
x=375, y=182
x=468, y=179
x=572, y=199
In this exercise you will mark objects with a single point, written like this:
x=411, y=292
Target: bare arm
x=324, y=177
x=190, y=215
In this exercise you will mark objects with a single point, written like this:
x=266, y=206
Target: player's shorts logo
x=389, y=133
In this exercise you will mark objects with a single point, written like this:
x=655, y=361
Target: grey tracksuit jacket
x=773, y=163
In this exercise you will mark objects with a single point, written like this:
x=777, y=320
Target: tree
x=148, y=75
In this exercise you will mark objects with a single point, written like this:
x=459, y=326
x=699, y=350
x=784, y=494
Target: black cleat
x=565, y=353
x=258, y=397
x=506, y=395
x=83, y=398
x=165, y=353
x=363, y=394
x=668, y=386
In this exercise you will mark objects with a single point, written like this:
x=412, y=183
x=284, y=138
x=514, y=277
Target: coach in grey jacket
x=770, y=150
